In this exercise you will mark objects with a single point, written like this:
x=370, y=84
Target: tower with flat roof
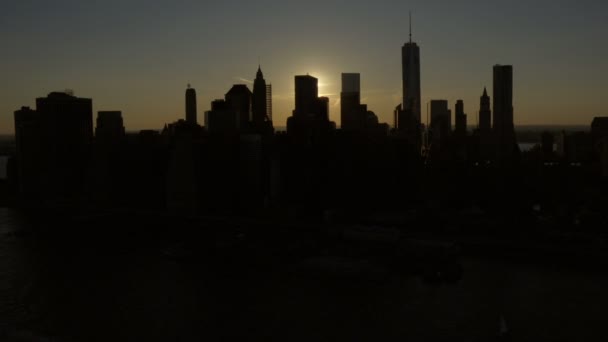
x=191, y=105
x=504, y=128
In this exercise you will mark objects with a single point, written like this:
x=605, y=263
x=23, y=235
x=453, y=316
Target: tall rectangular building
x=110, y=128
x=322, y=112
x=350, y=100
x=191, y=115
x=485, y=113
x=504, y=129
x=31, y=154
x=222, y=119
x=259, y=105
x=460, y=119
x=351, y=83
x=409, y=117
x=485, y=127
x=410, y=59
x=68, y=120
x=53, y=148
x=307, y=93
x=311, y=115
x=239, y=98
x=441, y=122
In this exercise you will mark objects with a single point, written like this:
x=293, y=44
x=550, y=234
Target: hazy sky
x=138, y=56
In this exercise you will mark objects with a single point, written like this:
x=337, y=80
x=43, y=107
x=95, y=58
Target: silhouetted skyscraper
x=307, y=94
x=351, y=83
x=106, y=170
x=68, y=119
x=485, y=126
x=396, y=116
x=485, y=113
x=110, y=128
x=56, y=140
x=599, y=141
x=260, y=101
x=221, y=119
x=191, y=105
x=410, y=54
x=504, y=129
x=239, y=99
x=441, y=118
x=599, y=129
x=350, y=101
x=30, y=146
x=461, y=119
x=261, y=106
x=311, y=115
x=323, y=108
x=409, y=118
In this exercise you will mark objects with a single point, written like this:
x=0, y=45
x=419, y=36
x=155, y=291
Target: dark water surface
x=98, y=291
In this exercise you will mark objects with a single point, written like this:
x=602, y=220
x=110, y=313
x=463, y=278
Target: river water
x=56, y=291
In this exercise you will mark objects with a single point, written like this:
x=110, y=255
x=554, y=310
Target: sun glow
x=325, y=86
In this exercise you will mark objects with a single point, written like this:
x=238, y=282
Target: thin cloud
x=243, y=80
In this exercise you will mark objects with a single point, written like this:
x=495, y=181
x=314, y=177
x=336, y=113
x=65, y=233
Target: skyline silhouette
x=453, y=68
x=62, y=160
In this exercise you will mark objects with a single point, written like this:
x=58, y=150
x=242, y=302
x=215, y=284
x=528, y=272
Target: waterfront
x=99, y=291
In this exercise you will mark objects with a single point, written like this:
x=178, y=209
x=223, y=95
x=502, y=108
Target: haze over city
x=139, y=56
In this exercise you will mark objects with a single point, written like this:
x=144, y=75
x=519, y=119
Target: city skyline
x=149, y=91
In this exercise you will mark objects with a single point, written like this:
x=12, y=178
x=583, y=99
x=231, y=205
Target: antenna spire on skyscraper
x=410, y=26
